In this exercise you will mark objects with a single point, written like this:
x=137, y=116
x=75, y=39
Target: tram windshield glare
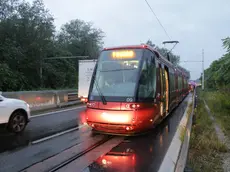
x=117, y=74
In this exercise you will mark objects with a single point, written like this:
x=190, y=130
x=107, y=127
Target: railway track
x=73, y=158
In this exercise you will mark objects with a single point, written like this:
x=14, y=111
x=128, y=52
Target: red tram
x=132, y=89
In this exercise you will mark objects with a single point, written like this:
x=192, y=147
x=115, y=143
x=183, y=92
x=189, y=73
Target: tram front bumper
x=110, y=121
x=113, y=128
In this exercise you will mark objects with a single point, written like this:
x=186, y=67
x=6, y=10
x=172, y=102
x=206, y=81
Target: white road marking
x=57, y=134
x=54, y=112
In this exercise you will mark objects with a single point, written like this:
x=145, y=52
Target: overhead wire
x=158, y=19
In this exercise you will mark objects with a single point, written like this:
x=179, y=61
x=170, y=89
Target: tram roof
x=142, y=46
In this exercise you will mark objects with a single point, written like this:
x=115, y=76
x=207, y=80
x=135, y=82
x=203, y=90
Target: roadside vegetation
x=205, y=148
x=217, y=88
x=217, y=76
x=206, y=151
x=219, y=104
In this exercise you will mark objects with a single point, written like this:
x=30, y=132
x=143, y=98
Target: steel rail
x=59, y=166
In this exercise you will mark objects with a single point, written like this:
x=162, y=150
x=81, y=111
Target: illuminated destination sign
x=123, y=54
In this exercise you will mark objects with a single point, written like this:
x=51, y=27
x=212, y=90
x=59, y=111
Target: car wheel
x=17, y=122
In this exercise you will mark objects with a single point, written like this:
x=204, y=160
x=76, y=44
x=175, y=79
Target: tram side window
x=172, y=82
x=147, y=85
x=185, y=83
x=179, y=86
x=180, y=83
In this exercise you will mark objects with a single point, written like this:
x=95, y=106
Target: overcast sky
x=195, y=24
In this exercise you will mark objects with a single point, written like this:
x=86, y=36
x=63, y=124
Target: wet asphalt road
x=19, y=159
x=40, y=127
x=142, y=153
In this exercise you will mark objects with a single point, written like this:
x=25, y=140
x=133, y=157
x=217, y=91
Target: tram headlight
x=115, y=118
x=104, y=162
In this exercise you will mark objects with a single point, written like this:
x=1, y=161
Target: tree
x=80, y=38
x=28, y=37
x=226, y=44
x=149, y=42
x=217, y=76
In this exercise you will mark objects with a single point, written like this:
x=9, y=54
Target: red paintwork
x=128, y=47
x=115, y=117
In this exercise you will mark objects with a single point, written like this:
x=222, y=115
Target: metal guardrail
x=73, y=97
x=41, y=100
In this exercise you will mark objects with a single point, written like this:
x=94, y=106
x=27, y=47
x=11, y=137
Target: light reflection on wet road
x=142, y=153
x=40, y=127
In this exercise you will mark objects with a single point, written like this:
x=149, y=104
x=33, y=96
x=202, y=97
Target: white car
x=14, y=113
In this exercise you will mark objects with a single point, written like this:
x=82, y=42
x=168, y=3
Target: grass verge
x=189, y=109
x=205, y=148
x=182, y=133
x=219, y=104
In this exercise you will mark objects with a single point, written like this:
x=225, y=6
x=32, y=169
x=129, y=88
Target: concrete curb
x=175, y=158
x=182, y=159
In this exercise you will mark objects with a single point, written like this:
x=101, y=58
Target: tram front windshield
x=116, y=74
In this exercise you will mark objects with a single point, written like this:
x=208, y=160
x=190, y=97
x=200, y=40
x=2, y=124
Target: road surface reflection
x=142, y=153
x=41, y=127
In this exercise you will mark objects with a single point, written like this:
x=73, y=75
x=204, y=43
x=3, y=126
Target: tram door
x=164, y=90
x=162, y=103
x=166, y=78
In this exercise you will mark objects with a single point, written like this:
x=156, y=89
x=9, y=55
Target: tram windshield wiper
x=99, y=92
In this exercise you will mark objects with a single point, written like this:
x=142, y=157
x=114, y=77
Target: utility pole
x=203, y=69
x=202, y=82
